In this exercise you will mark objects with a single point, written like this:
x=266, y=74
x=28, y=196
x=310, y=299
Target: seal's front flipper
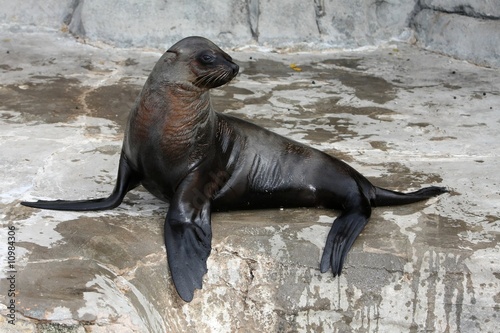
x=188, y=239
x=127, y=179
x=343, y=233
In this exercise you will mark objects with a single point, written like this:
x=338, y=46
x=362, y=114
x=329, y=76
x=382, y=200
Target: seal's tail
x=127, y=179
x=384, y=197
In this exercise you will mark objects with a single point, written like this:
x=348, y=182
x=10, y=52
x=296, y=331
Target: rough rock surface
x=402, y=116
x=40, y=14
x=154, y=23
x=316, y=24
x=465, y=29
x=489, y=9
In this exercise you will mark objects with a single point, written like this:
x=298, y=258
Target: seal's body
x=198, y=160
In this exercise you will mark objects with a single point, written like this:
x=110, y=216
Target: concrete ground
x=403, y=117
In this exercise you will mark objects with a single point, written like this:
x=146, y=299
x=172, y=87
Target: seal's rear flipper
x=127, y=179
x=384, y=197
x=188, y=244
x=343, y=233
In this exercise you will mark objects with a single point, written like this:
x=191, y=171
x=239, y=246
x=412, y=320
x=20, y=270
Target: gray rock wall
x=465, y=29
x=316, y=24
x=487, y=9
x=48, y=13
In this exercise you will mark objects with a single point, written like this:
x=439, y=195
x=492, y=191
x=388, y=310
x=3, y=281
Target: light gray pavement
x=403, y=117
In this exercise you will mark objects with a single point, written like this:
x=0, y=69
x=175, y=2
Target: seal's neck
x=187, y=107
x=186, y=127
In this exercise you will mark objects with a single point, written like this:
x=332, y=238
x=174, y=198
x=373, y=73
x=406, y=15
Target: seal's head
x=198, y=62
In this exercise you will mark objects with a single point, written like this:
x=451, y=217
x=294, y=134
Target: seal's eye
x=207, y=59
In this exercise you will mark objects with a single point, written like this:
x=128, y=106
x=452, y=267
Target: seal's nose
x=235, y=68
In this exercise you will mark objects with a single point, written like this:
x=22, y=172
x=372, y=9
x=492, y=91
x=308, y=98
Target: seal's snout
x=235, y=68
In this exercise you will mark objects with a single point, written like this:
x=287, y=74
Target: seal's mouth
x=231, y=64
x=235, y=69
x=217, y=76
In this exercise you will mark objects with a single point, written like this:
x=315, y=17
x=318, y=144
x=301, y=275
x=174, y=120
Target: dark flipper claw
x=188, y=239
x=188, y=248
x=346, y=228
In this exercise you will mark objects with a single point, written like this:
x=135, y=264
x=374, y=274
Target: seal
x=184, y=152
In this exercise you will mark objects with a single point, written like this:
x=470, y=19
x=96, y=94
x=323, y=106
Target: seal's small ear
x=170, y=56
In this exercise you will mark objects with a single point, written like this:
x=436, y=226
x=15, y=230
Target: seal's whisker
x=220, y=74
x=202, y=80
x=208, y=80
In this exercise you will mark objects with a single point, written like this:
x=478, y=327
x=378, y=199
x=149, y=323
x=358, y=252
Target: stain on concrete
x=224, y=99
x=231, y=91
x=45, y=99
x=105, y=150
x=89, y=65
x=435, y=231
x=259, y=68
x=352, y=63
x=397, y=176
x=7, y=68
x=127, y=62
x=380, y=145
x=421, y=125
x=113, y=102
x=366, y=87
x=90, y=249
x=443, y=138
x=300, y=85
x=60, y=100
x=451, y=86
x=338, y=120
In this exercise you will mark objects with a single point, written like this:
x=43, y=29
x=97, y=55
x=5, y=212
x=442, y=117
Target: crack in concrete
x=253, y=7
x=463, y=10
x=75, y=24
x=319, y=10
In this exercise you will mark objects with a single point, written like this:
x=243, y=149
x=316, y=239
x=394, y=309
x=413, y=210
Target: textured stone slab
x=359, y=23
x=474, y=8
x=155, y=23
x=49, y=13
x=295, y=23
x=466, y=29
x=402, y=116
x=463, y=37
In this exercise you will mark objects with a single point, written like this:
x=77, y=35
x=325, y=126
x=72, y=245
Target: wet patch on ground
x=7, y=68
x=352, y=63
x=112, y=247
x=438, y=231
x=325, y=118
x=113, y=102
x=265, y=68
x=44, y=99
x=398, y=176
x=60, y=100
x=366, y=86
x=380, y=145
